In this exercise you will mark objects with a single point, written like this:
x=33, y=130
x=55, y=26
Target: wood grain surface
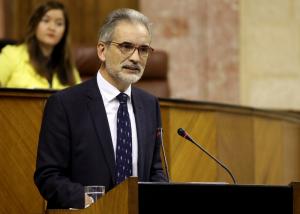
x=258, y=146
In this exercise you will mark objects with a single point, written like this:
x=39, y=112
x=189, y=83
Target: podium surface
x=214, y=198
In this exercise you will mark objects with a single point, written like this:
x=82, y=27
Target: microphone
x=186, y=136
x=160, y=135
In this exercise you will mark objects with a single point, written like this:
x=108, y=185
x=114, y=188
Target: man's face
x=122, y=66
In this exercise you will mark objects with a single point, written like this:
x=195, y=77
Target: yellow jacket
x=16, y=70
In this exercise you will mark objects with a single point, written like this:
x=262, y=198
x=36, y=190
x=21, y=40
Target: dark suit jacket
x=75, y=147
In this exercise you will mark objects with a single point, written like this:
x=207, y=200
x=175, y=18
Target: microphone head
x=181, y=132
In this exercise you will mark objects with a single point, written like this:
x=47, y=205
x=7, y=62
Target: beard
x=124, y=77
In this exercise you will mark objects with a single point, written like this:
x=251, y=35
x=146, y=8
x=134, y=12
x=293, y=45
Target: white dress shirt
x=111, y=104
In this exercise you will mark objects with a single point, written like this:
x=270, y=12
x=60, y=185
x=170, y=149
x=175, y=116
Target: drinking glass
x=94, y=192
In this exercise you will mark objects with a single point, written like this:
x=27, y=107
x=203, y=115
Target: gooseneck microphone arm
x=186, y=136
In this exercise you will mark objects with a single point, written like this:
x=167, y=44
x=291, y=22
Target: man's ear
x=101, y=51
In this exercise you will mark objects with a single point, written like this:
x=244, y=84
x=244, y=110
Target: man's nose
x=135, y=56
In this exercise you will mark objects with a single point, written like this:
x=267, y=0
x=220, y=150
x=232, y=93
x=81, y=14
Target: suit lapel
x=99, y=117
x=140, y=127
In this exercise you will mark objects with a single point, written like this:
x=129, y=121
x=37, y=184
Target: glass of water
x=94, y=192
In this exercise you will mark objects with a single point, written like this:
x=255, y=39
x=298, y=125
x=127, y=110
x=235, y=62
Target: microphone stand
x=160, y=132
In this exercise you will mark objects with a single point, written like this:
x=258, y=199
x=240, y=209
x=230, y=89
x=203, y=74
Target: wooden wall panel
x=234, y=146
x=85, y=17
x=187, y=162
x=20, y=120
x=291, y=151
x=258, y=146
x=268, y=142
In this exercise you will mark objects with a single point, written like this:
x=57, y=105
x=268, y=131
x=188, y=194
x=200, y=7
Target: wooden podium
x=123, y=199
x=132, y=197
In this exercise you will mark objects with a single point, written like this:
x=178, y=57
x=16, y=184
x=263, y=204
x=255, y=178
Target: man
x=90, y=129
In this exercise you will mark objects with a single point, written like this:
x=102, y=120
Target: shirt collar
x=108, y=91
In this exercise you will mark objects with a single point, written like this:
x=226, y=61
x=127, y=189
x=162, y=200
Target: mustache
x=132, y=67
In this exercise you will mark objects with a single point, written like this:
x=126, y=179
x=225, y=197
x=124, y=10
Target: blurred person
x=104, y=130
x=43, y=60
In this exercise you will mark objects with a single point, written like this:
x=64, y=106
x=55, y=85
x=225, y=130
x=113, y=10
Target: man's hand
x=88, y=200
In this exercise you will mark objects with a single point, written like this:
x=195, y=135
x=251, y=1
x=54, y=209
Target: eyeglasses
x=128, y=48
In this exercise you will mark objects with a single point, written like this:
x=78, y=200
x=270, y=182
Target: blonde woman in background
x=43, y=60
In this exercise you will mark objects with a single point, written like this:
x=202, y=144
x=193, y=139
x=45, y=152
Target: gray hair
x=123, y=14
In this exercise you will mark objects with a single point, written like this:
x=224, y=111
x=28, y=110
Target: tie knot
x=122, y=97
